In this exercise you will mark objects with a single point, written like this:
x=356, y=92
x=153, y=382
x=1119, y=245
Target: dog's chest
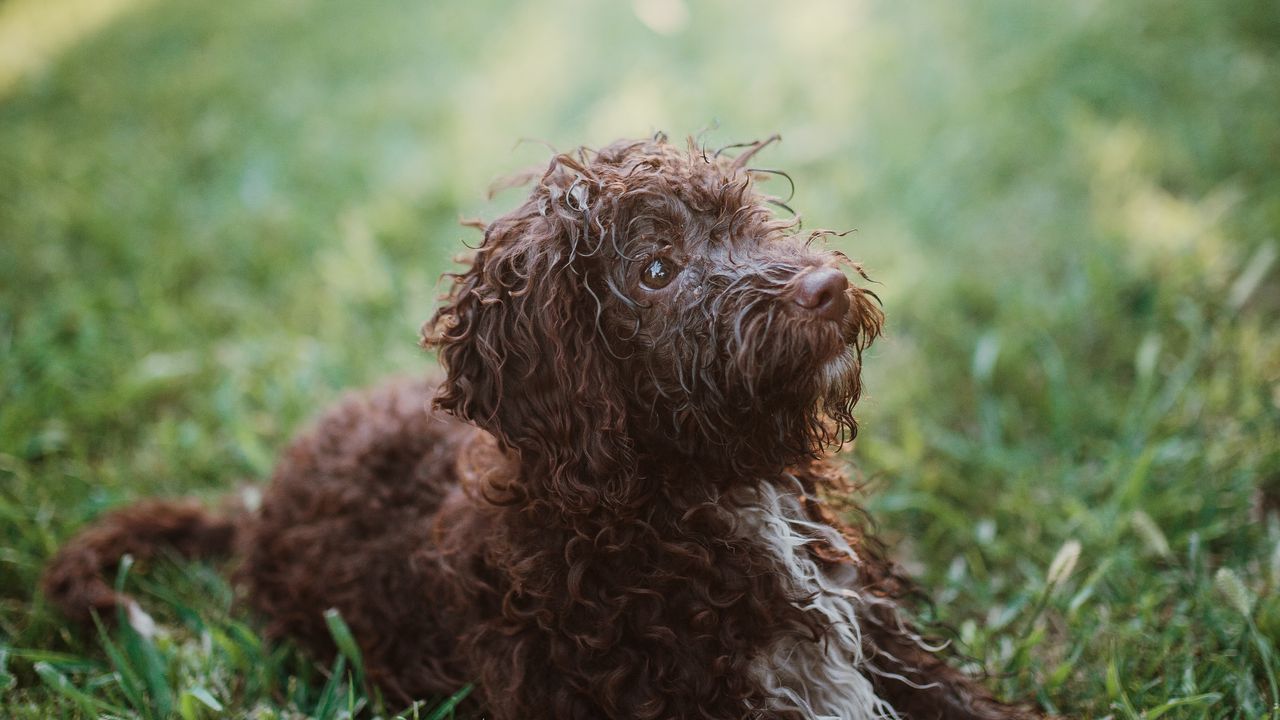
x=824, y=678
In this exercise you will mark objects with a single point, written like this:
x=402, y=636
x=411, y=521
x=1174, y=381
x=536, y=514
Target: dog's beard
x=776, y=390
x=838, y=376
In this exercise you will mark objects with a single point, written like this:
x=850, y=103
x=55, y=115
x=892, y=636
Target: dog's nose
x=822, y=292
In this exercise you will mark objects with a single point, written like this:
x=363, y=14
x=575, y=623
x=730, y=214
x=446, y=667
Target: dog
x=616, y=502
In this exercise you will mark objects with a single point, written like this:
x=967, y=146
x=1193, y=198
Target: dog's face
x=730, y=326
x=653, y=295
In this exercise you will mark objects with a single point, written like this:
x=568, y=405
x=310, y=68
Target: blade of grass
x=452, y=702
x=1205, y=699
x=61, y=685
x=129, y=681
x=189, y=706
x=328, y=702
x=143, y=655
x=345, y=641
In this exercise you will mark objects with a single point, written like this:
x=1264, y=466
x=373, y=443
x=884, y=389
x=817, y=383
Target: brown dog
x=620, y=515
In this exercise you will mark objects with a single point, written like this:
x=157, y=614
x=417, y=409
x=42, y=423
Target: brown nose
x=821, y=291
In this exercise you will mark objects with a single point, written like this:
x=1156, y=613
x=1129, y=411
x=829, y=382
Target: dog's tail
x=80, y=579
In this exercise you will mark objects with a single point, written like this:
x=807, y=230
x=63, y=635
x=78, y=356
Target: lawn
x=215, y=217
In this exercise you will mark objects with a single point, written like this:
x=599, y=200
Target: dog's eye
x=659, y=273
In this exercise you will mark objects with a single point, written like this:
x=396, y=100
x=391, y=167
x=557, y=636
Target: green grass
x=214, y=217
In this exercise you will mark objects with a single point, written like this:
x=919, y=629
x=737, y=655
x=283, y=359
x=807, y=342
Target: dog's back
x=345, y=523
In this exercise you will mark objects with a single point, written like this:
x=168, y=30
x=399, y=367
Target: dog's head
x=646, y=306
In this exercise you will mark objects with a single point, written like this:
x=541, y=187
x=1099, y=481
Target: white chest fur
x=824, y=679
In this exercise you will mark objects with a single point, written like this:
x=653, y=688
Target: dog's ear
x=526, y=359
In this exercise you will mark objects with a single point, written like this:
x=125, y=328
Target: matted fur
x=618, y=513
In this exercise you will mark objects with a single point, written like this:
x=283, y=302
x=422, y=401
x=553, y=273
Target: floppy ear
x=526, y=360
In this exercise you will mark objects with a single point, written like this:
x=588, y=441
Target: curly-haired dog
x=621, y=513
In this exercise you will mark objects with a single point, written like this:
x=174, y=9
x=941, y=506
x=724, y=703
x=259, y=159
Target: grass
x=215, y=217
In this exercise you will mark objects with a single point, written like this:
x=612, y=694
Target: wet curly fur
x=619, y=511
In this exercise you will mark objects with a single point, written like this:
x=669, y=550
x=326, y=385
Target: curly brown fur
x=618, y=514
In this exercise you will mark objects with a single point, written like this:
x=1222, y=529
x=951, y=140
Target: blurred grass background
x=214, y=217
